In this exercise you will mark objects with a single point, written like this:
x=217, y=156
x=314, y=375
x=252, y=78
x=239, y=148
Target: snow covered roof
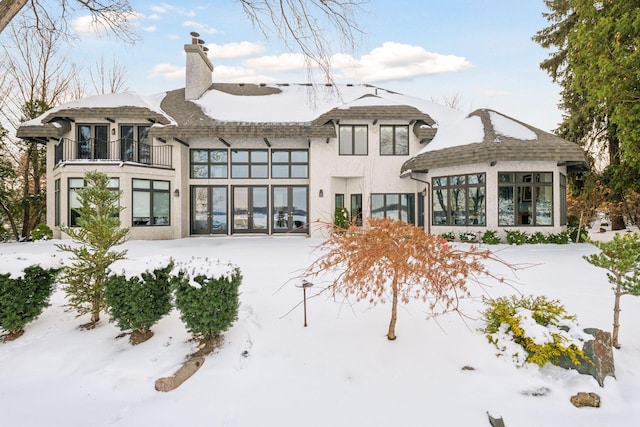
x=228, y=110
x=488, y=136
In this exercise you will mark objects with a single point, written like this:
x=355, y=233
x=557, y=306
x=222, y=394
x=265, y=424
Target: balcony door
x=92, y=142
x=289, y=213
x=209, y=210
x=250, y=209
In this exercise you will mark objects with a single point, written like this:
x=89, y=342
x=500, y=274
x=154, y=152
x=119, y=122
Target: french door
x=209, y=212
x=250, y=209
x=290, y=209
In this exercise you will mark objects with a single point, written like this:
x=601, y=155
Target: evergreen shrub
x=517, y=237
x=341, y=220
x=511, y=319
x=23, y=299
x=137, y=303
x=208, y=306
x=41, y=232
x=490, y=237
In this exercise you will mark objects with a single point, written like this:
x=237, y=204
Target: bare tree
x=309, y=25
x=37, y=76
x=108, y=79
x=109, y=15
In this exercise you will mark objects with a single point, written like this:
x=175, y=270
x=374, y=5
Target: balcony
x=121, y=150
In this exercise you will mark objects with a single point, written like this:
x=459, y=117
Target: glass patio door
x=290, y=211
x=209, y=210
x=250, y=209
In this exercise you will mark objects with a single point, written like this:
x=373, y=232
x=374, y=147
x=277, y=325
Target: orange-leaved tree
x=393, y=260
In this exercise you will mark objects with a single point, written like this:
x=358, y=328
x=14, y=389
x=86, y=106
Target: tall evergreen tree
x=98, y=232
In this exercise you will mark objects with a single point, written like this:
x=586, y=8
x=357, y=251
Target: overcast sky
x=477, y=50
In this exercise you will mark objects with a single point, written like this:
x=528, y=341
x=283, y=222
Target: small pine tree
x=210, y=308
x=138, y=303
x=98, y=232
x=621, y=258
x=23, y=299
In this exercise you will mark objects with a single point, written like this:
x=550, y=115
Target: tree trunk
x=9, y=9
x=391, y=335
x=616, y=318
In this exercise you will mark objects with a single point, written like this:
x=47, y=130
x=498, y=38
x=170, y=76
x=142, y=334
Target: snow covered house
x=237, y=159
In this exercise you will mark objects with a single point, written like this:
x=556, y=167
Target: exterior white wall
x=344, y=174
x=125, y=172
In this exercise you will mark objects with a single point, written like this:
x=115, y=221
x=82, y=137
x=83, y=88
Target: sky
x=480, y=52
x=338, y=371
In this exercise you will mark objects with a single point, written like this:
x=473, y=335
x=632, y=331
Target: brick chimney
x=199, y=68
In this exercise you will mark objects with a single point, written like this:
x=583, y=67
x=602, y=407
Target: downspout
x=427, y=196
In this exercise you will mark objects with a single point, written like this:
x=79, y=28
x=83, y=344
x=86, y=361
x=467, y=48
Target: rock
x=585, y=399
x=495, y=420
x=600, y=352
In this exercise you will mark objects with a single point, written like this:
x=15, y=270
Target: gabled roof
x=488, y=136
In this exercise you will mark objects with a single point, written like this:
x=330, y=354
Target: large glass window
x=394, y=140
x=92, y=141
x=249, y=164
x=353, y=140
x=563, y=199
x=395, y=206
x=356, y=209
x=525, y=198
x=134, y=144
x=209, y=164
x=76, y=184
x=459, y=200
x=150, y=202
x=289, y=164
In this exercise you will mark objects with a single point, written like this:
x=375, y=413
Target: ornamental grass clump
x=533, y=330
x=23, y=299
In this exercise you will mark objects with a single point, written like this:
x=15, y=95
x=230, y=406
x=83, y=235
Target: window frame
x=250, y=163
x=353, y=141
x=209, y=163
x=525, y=188
x=152, y=191
x=290, y=163
x=452, y=185
x=394, y=144
x=387, y=201
x=71, y=220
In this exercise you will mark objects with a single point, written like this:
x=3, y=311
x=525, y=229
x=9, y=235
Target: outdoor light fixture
x=321, y=193
x=176, y=192
x=305, y=284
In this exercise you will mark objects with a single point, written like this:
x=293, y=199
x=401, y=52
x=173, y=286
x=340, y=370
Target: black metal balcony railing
x=124, y=150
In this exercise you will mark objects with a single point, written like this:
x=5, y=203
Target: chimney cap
x=194, y=34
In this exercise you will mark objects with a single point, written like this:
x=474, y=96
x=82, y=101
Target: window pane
x=218, y=171
x=458, y=206
x=279, y=171
x=141, y=183
x=241, y=156
x=259, y=171
x=505, y=177
x=199, y=171
x=476, y=206
x=239, y=171
x=346, y=140
x=280, y=156
x=544, y=200
x=440, y=207
x=439, y=182
x=524, y=205
x=161, y=185
x=199, y=156
x=160, y=208
x=299, y=171
x=402, y=140
x=141, y=208
x=377, y=205
x=259, y=156
x=300, y=156
x=360, y=140
x=219, y=208
x=386, y=140
x=76, y=182
x=219, y=156
x=506, y=215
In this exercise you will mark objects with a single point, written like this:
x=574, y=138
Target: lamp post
x=305, y=284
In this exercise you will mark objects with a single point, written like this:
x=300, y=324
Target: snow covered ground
x=338, y=371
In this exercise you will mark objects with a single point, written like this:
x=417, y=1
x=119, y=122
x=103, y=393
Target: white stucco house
x=267, y=159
